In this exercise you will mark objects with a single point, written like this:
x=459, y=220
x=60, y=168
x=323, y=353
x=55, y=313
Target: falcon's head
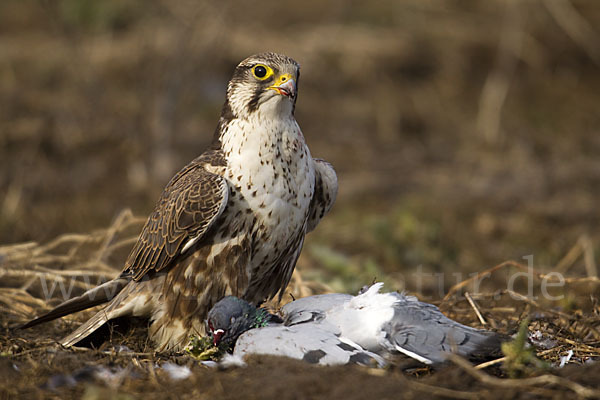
x=231, y=317
x=265, y=83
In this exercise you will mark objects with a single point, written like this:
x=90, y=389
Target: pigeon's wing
x=326, y=187
x=312, y=308
x=306, y=342
x=186, y=210
x=420, y=330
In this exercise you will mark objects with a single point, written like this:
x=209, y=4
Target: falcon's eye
x=262, y=72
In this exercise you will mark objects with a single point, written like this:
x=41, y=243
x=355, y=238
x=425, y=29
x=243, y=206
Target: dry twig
x=475, y=308
x=542, y=380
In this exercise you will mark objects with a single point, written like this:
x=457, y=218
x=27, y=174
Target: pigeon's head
x=231, y=317
x=264, y=83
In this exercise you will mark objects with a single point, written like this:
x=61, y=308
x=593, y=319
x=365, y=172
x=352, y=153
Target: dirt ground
x=32, y=366
x=273, y=378
x=464, y=134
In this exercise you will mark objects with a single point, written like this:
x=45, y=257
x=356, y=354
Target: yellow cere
x=283, y=78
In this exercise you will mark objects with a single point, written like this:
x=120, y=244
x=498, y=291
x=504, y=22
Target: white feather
x=361, y=319
x=413, y=355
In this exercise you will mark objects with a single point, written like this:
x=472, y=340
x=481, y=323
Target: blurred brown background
x=464, y=133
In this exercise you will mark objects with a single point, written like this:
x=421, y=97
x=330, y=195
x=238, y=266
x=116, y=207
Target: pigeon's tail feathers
x=98, y=295
x=429, y=346
x=420, y=331
x=483, y=345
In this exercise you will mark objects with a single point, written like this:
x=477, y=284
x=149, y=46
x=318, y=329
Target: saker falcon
x=231, y=222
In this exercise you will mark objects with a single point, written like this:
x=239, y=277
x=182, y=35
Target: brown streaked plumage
x=187, y=208
x=231, y=222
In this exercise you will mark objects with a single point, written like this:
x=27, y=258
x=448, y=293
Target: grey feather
x=421, y=328
x=307, y=342
x=312, y=308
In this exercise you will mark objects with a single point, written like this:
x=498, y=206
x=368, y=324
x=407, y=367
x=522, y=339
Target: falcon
x=340, y=328
x=231, y=222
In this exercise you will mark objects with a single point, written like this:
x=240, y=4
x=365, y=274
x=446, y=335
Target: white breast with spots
x=271, y=167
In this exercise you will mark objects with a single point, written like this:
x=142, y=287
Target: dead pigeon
x=370, y=324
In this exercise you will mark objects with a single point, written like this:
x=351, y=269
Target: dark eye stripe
x=253, y=104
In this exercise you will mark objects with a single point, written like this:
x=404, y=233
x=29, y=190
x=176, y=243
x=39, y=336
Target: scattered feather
x=565, y=359
x=176, y=372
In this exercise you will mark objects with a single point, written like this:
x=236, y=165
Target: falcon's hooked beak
x=285, y=85
x=216, y=336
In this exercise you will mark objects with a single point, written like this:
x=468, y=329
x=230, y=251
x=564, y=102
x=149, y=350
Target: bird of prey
x=386, y=324
x=231, y=222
